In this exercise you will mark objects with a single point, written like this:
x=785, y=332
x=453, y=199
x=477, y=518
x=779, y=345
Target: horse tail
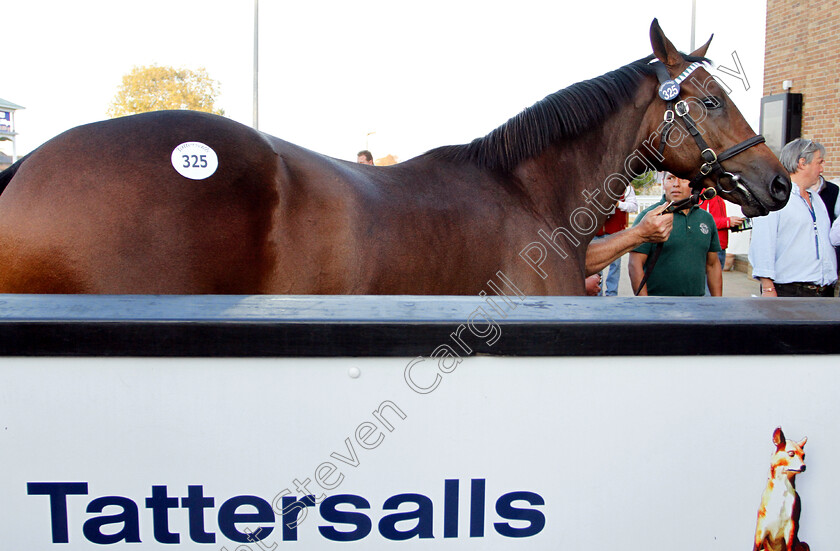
x=7, y=175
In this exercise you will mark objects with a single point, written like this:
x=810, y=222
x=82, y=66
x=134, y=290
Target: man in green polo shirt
x=688, y=257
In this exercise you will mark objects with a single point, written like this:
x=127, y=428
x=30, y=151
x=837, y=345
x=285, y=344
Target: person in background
x=790, y=250
x=688, y=258
x=617, y=222
x=717, y=208
x=834, y=234
x=828, y=193
x=364, y=157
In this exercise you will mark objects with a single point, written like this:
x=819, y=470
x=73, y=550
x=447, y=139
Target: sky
x=398, y=78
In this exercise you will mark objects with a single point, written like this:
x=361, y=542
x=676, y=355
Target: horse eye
x=791, y=454
x=711, y=102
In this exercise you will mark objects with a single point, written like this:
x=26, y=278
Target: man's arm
x=714, y=275
x=636, y=267
x=834, y=235
x=762, y=255
x=653, y=228
x=630, y=203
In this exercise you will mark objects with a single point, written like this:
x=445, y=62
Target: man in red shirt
x=717, y=208
x=614, y=224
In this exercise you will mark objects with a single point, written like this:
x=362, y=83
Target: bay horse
x=106, y=207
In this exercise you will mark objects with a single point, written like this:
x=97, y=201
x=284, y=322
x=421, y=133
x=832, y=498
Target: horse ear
x=701, y=51
x=663, y=49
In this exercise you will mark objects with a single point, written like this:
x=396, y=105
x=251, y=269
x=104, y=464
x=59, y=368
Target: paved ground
x=735, y=283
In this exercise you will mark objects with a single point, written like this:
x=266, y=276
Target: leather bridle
x=669, y=90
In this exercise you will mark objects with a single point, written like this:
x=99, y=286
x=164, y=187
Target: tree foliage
x=155, y=88
x=644, y=182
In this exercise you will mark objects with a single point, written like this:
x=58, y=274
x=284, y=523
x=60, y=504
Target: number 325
x=195, y=161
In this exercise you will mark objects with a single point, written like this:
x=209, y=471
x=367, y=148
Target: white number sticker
x=668, y=90
x=194, y=160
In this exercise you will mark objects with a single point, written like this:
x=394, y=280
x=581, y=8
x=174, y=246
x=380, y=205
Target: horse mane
x=564, y=114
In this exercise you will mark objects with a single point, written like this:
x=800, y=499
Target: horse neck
x=563, y=176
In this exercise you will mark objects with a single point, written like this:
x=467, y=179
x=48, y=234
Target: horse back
x=419, y=227
x=101, y=209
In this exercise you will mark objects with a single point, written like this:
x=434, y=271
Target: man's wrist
x=767, y=285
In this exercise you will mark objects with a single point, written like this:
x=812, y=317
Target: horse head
x=700, y=134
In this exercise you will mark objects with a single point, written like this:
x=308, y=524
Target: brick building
x=802, y=44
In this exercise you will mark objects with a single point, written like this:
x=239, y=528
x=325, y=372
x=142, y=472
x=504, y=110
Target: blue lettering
x=506, y=510
x=195, y=503
x=58, y=492
x=228, y=517
x=423, y=514
x=450, y=508
x=330, y=514
x=477, y=492
x=130, y=518
x=160, y=503
x=292, y=507
x=115, y=519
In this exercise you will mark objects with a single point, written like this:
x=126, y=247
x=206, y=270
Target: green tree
x=642, y=183
x=155, y=88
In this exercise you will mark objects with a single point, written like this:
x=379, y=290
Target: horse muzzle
x=780, y=190
x=736, y=189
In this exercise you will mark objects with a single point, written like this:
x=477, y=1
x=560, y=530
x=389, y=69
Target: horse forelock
x=563, y=115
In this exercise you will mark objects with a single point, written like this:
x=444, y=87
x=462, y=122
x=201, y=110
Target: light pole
x=693, y=21
x=256, y=64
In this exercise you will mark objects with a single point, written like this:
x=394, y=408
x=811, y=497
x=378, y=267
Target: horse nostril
x=780, y=188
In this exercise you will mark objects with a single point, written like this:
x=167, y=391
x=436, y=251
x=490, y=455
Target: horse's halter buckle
x=711, y=160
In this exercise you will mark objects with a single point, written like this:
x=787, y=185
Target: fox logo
x=778, y=515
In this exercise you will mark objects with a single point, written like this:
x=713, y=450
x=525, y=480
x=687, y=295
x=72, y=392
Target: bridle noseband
x=669, y=90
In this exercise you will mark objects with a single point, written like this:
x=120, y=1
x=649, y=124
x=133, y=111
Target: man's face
x=362, y=160
x=675, y=189
x=810, y=173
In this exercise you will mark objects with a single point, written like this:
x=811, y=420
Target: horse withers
x=183, y=202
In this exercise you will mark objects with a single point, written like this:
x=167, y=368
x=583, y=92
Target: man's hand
x=593, y=285
x=735, y=221
x=656, y=228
